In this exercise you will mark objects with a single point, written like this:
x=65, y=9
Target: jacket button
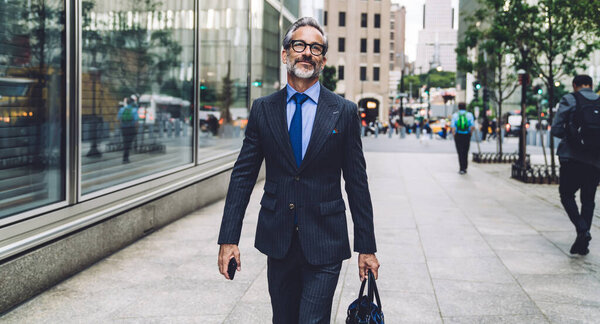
x=297, y=178
x=292, y=206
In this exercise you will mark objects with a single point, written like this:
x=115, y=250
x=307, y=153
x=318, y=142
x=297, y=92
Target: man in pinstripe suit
x=308, y=136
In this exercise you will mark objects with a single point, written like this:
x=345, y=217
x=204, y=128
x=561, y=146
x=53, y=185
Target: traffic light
x=476, y=87
x=538, y=89
x=486, y=95
x=257, y=83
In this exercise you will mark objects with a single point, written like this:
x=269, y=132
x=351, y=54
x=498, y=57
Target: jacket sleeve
x=243, y=179
x=357, y=188
x=567, y=103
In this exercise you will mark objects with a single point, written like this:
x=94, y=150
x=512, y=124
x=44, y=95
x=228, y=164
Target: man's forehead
x=308, y=33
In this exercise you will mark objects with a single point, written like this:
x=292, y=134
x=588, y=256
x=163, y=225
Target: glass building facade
x=101, y=96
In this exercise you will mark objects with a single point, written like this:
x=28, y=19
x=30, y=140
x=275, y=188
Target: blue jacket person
x=308, y=137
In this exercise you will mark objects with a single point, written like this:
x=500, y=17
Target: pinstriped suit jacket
x=313, y=190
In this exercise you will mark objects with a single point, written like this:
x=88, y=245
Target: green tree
x=437, y=79
x=328, y=78
x=561, y=43
x=488, y=49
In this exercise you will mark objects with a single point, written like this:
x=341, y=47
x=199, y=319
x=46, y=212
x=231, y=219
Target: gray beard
x=301, y=73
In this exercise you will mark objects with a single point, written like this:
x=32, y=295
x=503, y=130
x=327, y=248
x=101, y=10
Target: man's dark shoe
x=462, y=172
x=580, y=246
x=587, y=237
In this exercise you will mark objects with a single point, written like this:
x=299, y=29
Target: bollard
x=402, y=132
x=390, y=132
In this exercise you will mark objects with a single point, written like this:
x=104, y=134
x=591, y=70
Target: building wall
x=438, y=35
x=181, y=66
x=352, y=59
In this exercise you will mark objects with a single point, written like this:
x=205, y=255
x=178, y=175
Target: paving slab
x=478, y=248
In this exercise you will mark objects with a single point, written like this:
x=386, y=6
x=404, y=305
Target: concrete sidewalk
x=454, y=249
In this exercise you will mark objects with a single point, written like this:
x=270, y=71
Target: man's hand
x=226, y=252
x=367, y=262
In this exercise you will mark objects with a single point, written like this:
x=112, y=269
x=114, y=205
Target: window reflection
x=137, y=90
x=32, y=104
x=223, y=110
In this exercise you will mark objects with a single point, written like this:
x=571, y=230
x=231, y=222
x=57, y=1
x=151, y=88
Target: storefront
x=107, y=107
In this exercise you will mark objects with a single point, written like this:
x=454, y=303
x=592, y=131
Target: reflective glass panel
x=32, y=104
x=223, y=109
x=137, y=89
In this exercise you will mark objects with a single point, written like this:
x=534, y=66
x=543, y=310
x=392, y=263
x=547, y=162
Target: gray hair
x=304, y=21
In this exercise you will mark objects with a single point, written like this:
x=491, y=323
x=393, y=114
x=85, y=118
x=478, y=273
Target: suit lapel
x=325, y=119
x=277, y=119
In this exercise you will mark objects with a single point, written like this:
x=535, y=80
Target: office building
x=359, y=48
x=437, y=40
x=118, y=117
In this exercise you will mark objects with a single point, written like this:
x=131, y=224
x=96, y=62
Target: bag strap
x=373, y=289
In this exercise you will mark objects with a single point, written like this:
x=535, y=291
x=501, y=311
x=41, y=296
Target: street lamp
x=524, y=80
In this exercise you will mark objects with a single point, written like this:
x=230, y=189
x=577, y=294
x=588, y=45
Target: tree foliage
x=549, y=38
x=437, y=79
x=328, y=79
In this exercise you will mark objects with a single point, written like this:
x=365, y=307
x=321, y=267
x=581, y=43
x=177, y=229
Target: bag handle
x=373, y=289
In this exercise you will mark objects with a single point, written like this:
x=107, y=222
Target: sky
x=414, y=23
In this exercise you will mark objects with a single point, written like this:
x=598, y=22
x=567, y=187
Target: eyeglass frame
x=290, y=45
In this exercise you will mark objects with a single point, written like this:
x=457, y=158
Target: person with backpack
x=462, y=127
x=128, y=116
x=577, y=123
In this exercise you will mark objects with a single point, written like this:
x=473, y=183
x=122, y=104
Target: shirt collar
x=586, y=90
x=312, y=92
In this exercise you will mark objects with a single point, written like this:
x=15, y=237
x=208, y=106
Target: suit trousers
x=575, y=175
x=462, y=142
x=301, y=293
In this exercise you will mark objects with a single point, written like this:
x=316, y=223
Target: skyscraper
x=437, y=39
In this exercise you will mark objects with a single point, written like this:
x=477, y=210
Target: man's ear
x=284, y=56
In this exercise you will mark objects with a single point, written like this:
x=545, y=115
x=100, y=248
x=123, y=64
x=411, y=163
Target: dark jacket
x=565, y=110
x=313, y=190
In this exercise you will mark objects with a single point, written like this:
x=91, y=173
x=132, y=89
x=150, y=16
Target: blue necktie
x=296, y=127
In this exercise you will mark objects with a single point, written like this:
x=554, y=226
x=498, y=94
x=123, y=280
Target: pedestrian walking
x=462, y=127
x=302, y=223
x=577, y=123
x=128, y=118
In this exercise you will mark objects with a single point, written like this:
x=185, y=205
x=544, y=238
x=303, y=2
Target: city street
x=474, y=248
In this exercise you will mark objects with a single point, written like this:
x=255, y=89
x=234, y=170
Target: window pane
x=137, y=89
x=32, y=104
x=375, y=74
x=377, y=22
x=341, y=44
x=223, y=109
x=376, y=45
x=363, y=45
x=340, y=72
x=325, y=18
x=342, y=18
x=363, y=20
x=363, y=73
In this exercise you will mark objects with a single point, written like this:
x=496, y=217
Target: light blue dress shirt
x=309, y=110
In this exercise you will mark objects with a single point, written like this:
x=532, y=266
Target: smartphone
x=231, y=268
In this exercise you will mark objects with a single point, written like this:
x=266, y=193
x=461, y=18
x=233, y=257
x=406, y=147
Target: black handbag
x=363, y=310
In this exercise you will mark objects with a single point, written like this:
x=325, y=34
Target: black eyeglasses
x=315, y=48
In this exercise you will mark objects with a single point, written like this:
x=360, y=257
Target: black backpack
x=584, y=126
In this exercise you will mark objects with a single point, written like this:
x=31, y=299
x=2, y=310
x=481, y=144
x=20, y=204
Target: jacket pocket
x=271, y=187
x=332, y=207
x=268, y=202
